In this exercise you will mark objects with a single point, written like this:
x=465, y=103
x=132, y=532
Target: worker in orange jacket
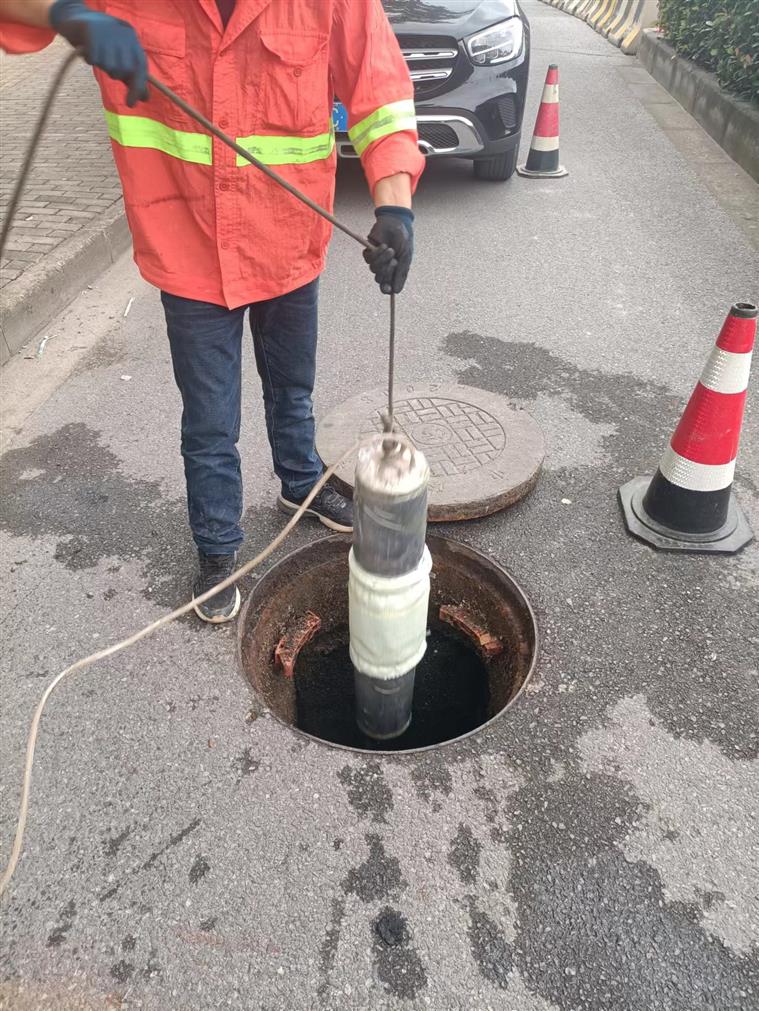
x=220, y=239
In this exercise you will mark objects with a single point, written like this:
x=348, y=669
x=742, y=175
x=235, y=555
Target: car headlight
x=497, y=44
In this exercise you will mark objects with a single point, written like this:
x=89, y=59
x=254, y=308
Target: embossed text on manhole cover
x=483, y=455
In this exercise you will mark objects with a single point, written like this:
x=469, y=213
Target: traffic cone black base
x=731, y=537
x=558, y=173
x=688, y=505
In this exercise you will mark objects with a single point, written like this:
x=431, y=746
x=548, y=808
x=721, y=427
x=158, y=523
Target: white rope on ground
x=143, y=633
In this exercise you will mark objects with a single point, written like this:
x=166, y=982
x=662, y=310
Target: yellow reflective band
x=387, y=119
x=287, y=150
x=138, y=131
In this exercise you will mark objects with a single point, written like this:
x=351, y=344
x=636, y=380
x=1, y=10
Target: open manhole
x=481, y=649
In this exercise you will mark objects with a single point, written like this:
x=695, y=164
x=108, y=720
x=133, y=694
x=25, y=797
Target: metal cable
x=212, y=128
x=317, y=208
x=389, y=419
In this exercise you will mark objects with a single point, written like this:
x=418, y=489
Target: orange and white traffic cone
x=689, y=505
x=543, y=159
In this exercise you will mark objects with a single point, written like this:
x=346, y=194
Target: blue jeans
x=206, y=350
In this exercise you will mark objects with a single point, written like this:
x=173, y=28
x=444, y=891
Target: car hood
x=461, y=17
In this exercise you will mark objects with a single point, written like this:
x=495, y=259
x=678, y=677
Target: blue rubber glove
x=393, y=247
x=107, y=43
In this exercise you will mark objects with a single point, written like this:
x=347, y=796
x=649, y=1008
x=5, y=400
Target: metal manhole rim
x=472, y=553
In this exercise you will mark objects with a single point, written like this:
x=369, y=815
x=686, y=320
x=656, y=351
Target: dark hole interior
x=451, y=692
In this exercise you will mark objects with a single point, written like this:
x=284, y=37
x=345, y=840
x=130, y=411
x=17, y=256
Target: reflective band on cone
x=543, y=158
x=689, y=504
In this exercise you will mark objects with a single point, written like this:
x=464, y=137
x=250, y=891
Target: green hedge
x=720, y=35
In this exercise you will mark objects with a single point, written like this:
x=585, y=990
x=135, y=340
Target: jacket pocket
x=295, y=93
x=164, y=42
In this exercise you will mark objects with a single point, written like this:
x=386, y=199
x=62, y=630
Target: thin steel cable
x=143, y=633
x=214, y=129
x=317, y=208
x=389, y=418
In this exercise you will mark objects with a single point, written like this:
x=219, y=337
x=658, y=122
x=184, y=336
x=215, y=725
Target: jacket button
x=223, y=186
x=223, y=122
x=225, y=244
x=297, y=72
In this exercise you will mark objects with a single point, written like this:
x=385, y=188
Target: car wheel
x=499, y=168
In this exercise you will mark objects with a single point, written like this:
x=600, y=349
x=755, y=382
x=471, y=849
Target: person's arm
x=34, y=13
x=372, y=80
x=394, y=190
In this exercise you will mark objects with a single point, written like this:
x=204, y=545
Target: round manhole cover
x=483, y=455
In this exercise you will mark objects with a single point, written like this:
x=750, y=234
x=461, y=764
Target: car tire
x=497, y=169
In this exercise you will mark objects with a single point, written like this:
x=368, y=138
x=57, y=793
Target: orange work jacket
x=206, y=224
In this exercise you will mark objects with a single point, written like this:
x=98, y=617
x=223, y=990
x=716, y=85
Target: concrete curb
x=732, y=122
x=32, y=300
x=620, y=21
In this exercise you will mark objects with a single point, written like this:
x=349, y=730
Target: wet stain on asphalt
x=377, y=877
x=617, y=619
x=431, y=777
x=489, y=799
x=174, y=840
x=610, y=624
x=80, y=496
x=153, y=859
x=66, y=919
x=398, y=966
x=391, y=927
x=329, y=946
x=245, y=764
x=122, y=971
x=129, y=943
x=208, y=924
x=199, y=869
x=153, y=966
x=368, y=793
x=113, y=844
x=464, y=854
x=597, y=931
x=490, y=950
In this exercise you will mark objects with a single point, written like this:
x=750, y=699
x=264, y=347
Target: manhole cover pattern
x=483, y=454
x=455, y=436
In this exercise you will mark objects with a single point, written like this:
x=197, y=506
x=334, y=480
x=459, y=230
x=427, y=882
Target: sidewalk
x=70, y=223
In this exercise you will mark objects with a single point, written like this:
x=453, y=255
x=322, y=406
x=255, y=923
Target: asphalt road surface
x=596, y=848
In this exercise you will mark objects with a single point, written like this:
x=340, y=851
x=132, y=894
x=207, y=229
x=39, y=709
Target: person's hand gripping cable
x=392, y=238
x=106, y=42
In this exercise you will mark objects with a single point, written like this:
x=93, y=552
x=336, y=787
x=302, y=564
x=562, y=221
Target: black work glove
x=107, y=43
x=392, y=238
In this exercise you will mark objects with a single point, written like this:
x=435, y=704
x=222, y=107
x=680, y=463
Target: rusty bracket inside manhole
x=488, y=645
x=293, y=641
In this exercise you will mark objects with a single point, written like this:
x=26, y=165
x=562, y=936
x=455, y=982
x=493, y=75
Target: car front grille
x=507, y=110
x=440, y=136
x=431, y=60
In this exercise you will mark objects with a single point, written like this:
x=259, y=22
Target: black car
x=469, y=61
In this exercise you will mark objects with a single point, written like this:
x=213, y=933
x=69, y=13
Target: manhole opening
x=482, y=646
x=451, y=692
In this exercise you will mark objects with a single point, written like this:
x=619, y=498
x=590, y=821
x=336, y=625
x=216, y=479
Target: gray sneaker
x=330, y=507
x=223, y=606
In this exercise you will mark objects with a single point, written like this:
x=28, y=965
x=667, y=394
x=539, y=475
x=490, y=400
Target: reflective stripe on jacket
x=205, y=223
